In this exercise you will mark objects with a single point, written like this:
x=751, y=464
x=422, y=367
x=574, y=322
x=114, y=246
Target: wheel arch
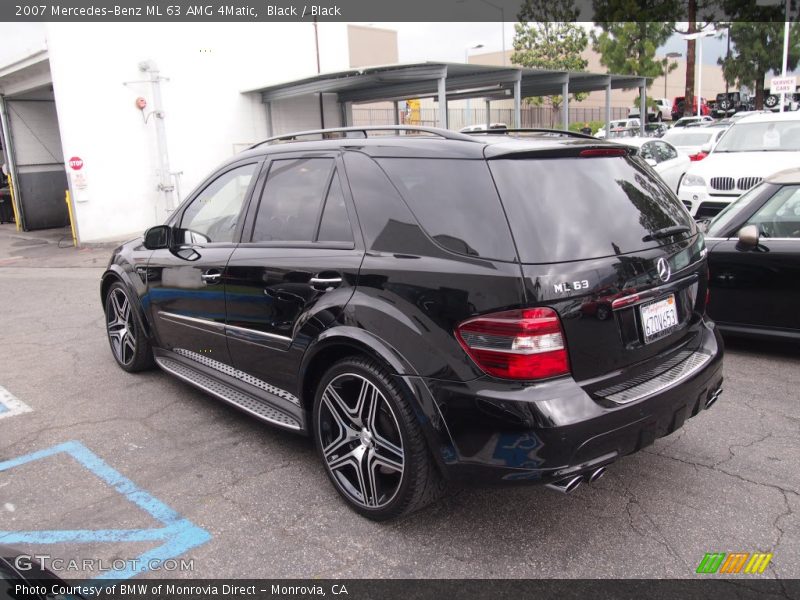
x=338, y=343
x=116, y=274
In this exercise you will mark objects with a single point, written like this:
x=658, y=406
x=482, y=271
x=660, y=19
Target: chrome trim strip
x=672, y=376
x=192, y=320
x=641, y=297
x=160, y=361
x=257, y=333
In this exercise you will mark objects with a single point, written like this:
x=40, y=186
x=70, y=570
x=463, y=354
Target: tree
x=700, y=16
x=547, y=37
x=629, y=48
x=757, y=50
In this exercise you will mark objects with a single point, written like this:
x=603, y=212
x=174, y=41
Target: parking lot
x=97, y=463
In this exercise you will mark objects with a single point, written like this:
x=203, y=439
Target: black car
x=415, y=303
x=729, y=104
x=754, y=257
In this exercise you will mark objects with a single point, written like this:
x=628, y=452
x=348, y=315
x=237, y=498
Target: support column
x=268, y=111
x=442, y=102
x=518, y=103
x=488, y=114
x=347, y=114
x=565, y=103
x=643, y=105
x=396, y=112
x=608, y=108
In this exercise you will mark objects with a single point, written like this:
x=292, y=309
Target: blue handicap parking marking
x=177, y=534
x=10, y=405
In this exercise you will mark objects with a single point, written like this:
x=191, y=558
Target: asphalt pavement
x=99, y=464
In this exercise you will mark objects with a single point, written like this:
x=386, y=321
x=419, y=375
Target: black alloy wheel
x=370, y=443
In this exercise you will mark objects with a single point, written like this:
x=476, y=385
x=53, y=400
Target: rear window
x=455, y=202
x=565, y=209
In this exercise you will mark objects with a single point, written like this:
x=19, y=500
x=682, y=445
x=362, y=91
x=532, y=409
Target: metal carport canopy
x=449, y=81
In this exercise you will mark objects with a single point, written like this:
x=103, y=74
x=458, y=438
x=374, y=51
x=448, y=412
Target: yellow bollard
x=13, y=201
x=71, y=222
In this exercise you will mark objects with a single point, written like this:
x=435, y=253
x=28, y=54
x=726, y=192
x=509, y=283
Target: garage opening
x=33, y=144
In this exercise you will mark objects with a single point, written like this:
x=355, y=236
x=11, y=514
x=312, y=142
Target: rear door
x=296, y=268
x=584, y=229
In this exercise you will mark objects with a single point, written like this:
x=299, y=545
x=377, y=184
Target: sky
x=447, y=42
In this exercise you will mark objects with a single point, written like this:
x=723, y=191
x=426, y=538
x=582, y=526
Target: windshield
x=564, y=209
x=689, y=138
x=772, y=136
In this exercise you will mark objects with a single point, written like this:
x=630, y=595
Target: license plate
x=659, y=318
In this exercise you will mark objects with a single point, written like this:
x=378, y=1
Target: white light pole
x=699, y=37
x=785, y=34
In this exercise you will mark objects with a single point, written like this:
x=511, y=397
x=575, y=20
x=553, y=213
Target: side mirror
x=650, y=161
x=158, y=237
x=748, y=238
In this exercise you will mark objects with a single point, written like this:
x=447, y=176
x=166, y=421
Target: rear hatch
x=604, y=242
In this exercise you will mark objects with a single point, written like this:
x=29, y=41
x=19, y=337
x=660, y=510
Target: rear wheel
x=129, y=345
x=370, y=442
x=771, y=101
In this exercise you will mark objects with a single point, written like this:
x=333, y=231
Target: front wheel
x=129, y=345
x=370, y=442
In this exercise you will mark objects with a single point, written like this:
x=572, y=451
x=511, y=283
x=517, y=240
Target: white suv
x=753, y=148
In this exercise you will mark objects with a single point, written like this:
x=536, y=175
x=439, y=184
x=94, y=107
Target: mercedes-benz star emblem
x=664, y=272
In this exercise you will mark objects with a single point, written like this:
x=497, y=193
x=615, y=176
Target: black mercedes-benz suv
x=429, y=306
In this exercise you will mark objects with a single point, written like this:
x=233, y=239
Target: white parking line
x=10, y=405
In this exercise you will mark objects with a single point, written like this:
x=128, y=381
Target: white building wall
x=95, y=69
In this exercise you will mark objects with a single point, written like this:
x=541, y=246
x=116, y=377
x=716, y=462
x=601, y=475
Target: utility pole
x=165, y=184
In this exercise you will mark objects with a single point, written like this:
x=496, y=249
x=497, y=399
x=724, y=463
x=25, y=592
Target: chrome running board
x=227, y=393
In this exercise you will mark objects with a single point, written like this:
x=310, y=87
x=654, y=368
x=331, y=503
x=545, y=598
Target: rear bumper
x=496, y=432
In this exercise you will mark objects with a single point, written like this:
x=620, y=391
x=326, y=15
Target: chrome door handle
x=327, y=283
x=211, y=276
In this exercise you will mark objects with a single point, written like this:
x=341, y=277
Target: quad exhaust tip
x=568, y=485
x=713, y=398
x=597, y=474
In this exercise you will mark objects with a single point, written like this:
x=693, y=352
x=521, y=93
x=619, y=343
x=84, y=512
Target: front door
x=186, y=285
x=761, y=287
x=296, y=268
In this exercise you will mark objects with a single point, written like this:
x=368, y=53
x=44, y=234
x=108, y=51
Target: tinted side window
x=212, y=216
x=455, y=201
x=289, y=206
x=335, y=225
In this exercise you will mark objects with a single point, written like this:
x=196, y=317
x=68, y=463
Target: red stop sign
x=75, y=163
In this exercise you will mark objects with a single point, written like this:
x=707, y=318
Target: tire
x=129, y=344
x=602, y=313
x=370, y=443
x=771, y=101
x=659, y=118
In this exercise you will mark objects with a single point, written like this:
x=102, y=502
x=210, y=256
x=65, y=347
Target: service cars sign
x=75, y=163
x=783, y=85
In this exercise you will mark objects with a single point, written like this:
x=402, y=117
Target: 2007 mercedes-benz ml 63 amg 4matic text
x=429, y=306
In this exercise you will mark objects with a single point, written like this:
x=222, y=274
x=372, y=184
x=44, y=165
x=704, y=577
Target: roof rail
x=362, y=132
x=504, y=131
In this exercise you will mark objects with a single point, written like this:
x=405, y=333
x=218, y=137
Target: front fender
x=137, y=289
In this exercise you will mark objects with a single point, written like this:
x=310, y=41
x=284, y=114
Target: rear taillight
x=698, y=156
x=516, y=344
